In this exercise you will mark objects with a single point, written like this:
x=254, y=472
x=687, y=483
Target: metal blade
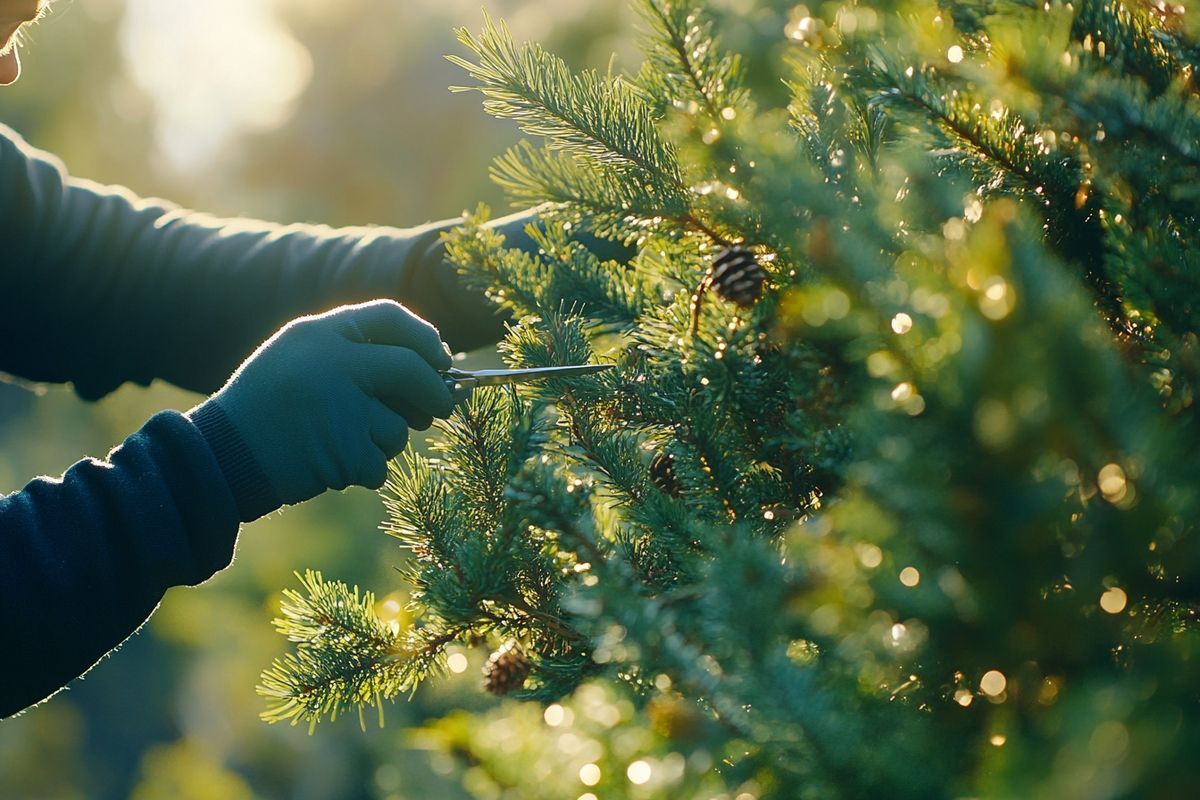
x=494, y=377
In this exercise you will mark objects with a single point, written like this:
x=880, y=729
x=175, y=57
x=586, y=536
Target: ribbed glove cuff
x=252, y=490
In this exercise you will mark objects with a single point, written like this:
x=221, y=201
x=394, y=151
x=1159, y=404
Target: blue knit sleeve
x=85, y=558
x=99, y=287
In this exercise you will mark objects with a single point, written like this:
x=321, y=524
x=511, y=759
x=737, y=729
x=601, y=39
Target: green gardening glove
x=325, y=403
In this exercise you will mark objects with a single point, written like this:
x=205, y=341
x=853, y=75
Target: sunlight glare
x=213, y=70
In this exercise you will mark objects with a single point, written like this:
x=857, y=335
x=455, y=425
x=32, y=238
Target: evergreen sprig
x=584, y=114
x=611, y=203
x=610, y=295
x=685, y=64
x=345, y=656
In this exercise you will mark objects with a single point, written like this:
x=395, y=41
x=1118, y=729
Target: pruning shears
x=461, y=381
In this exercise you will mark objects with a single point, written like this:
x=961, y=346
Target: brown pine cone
x=662, y=474
x=738, y=277
x=506, y=670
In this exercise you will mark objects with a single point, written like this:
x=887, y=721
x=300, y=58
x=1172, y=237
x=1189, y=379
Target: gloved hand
x=326, y=401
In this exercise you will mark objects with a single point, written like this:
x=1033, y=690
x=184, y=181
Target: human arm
x=101, y=287
x=84, y=559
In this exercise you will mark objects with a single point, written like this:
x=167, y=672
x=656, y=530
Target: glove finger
x=388, y=322
x=389, y=430
x=417, y=420
x=374, y=470
x=399, y=377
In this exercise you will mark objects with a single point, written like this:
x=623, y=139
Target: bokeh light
x=1114, y=600
x=639, y=772
x=213, y=70
x=993, y=683
x=589, y=774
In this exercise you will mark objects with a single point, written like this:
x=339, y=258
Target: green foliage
x=581, y=113
x=599, y=121
x=344, y=655
x=524, y=283
x=685, y=63
x=929, y=525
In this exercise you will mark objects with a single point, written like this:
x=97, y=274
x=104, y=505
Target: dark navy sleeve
x=99, y=287
x=85, y=558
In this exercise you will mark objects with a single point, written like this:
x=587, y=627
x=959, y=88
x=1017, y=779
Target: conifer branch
x=1132, y=43
x=554, y=624
x=600, y=118
x=682, y=44
x=605, y=196
x=345, y=655
x=999, y=141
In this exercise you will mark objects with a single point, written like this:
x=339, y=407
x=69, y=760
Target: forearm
x=85, y=559
x=161, y=293
x=197, y=296
x=254, y=277
x=100, y=287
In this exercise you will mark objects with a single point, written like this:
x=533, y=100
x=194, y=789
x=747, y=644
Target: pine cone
x=506, y=670
x=738, y=277
x=662, y=474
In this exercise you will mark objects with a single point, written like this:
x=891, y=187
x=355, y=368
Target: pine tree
x=918, y=518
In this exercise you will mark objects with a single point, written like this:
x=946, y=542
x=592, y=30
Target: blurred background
x=331, y=111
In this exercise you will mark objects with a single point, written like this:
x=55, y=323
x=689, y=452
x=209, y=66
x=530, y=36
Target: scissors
x=461, y=382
